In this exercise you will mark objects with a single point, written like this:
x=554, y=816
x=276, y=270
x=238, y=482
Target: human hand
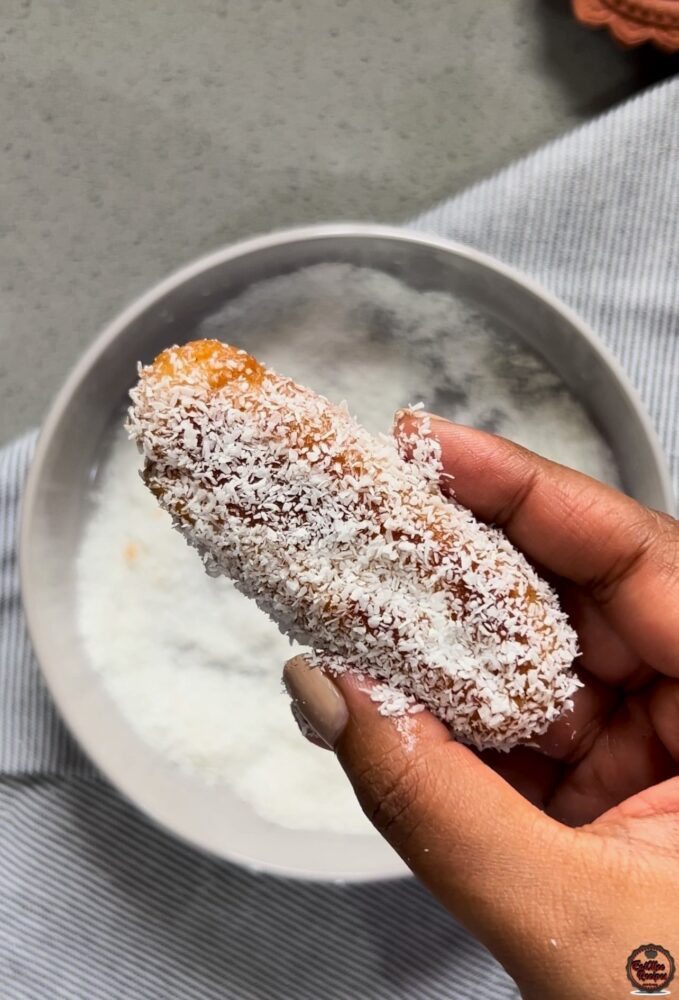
x=564, y=857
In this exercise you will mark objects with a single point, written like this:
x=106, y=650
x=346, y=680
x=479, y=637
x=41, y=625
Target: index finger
x=624, y=554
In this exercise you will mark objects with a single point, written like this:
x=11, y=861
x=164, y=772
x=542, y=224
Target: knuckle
x=651, y=538
x=667, y=544
x=527, y=483
x=396, y=793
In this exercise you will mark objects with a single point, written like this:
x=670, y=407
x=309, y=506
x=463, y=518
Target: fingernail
x=316, y=699
x=305, y=729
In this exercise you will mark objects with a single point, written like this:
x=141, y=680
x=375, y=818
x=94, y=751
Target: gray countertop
x=137, y=135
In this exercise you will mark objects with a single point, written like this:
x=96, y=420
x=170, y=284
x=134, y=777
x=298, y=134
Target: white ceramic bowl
x=58, y=496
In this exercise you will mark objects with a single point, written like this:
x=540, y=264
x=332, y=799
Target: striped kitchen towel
x=98, y=904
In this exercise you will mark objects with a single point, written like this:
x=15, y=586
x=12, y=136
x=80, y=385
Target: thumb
x=480, y=847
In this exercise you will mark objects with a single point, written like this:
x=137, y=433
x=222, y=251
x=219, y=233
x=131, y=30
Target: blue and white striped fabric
x=95, y=902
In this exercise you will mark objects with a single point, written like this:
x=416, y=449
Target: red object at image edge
x=633, y=22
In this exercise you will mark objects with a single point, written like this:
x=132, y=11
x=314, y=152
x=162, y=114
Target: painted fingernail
x=316, y=699
x=305, y=729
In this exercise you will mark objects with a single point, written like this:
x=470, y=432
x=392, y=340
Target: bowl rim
x=340, y=230
x=136, y=308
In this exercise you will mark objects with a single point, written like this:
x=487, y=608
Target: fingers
x=626, y=757
x=663, y=709
x=626, y=555
x=658, y=810
x=571, y=736
x=532, y=774
x=476, y=842
x=603, y=653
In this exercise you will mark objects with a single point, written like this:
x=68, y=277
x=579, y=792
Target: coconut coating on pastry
x=351, y=548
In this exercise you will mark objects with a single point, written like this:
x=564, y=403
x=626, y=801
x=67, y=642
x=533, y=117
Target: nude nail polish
x=317, y=699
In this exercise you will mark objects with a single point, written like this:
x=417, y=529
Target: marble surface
x=137, y=135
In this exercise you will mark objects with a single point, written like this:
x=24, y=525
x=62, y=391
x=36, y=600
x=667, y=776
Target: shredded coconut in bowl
x=360, y=335
x=193, y=665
